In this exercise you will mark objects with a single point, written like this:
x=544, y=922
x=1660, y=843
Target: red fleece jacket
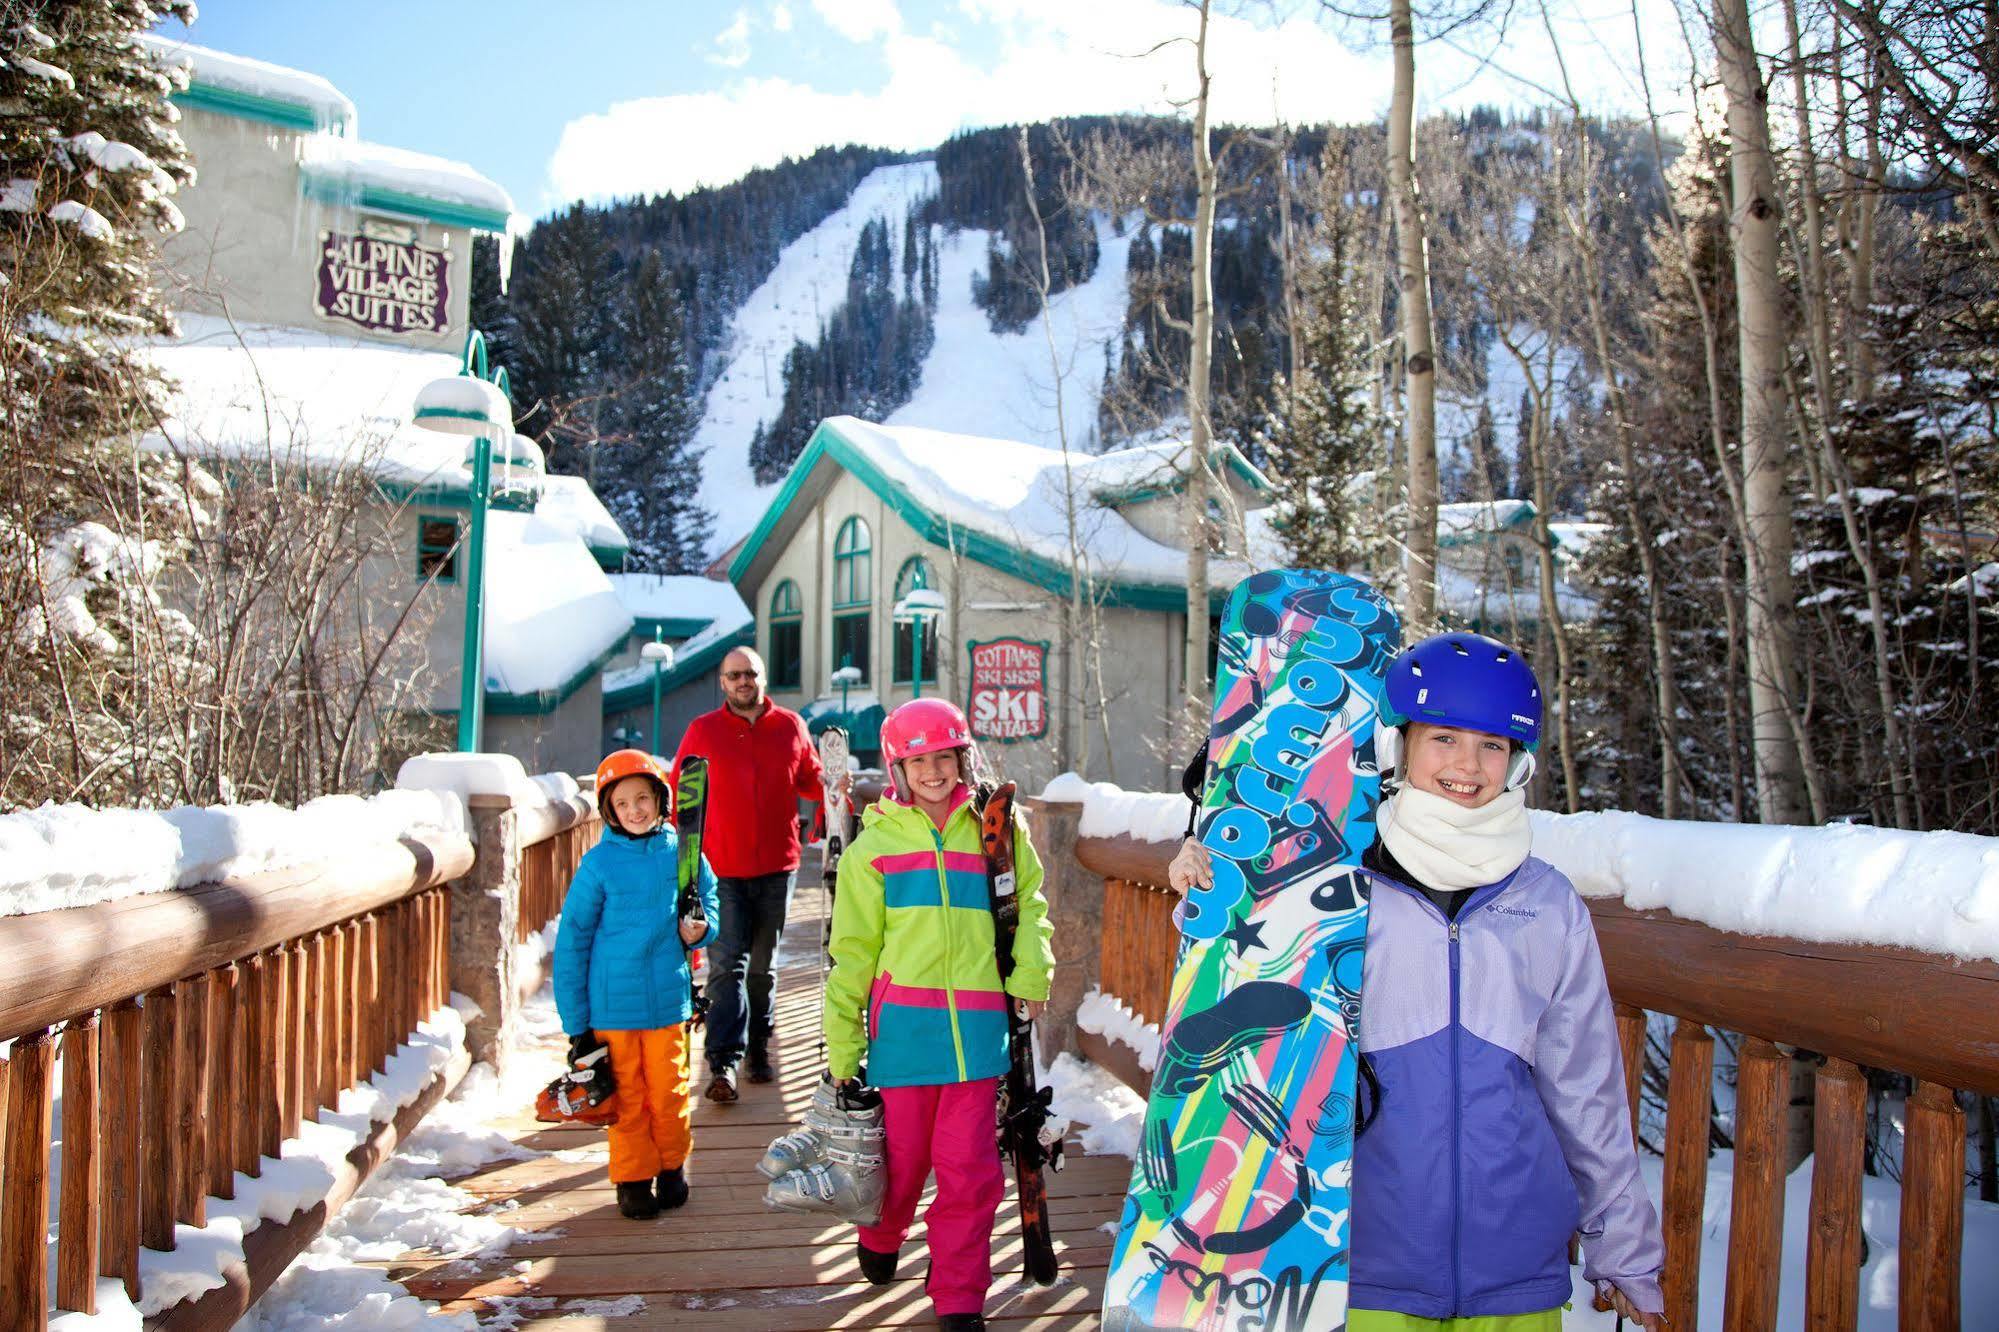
x=757, y=774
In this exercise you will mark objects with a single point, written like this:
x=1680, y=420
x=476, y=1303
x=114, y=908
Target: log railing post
x=1832, y=1260
x=122, y=1135
x=1075, y=897
x=314, y=1026
x=1631, y=1044
x=77, y=1219
x=1932, y=1209
x=352, y=1055
x=159, y=1160
x=268, y=1057
x=224, y=993
x=1756, y=1216
x=251, y=1019
x=24, y=1203
x=1689, y=1110
x=333, y=1073
x=190, y=1092
x=298, y=1083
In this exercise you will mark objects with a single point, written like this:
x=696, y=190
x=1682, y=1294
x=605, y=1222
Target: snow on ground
x=1112, y=811
x=808, y=284
x=977, y=382
x=1935, y=891
x=1106, y=1114
x=72, y=855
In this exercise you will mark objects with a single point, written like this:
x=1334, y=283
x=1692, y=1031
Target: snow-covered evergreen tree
x=651, y=475
x=89, y=158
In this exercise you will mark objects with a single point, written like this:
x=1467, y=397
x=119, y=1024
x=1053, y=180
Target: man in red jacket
x=761, y=762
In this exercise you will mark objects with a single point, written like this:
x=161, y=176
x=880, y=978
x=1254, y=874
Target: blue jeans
x=740, y=1014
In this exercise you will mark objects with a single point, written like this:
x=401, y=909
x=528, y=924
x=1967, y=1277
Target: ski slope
x=808, y=284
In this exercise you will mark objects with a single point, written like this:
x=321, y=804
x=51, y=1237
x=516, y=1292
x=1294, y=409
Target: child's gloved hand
x=692, y=928
x=583, y=1046
x=1190, y=866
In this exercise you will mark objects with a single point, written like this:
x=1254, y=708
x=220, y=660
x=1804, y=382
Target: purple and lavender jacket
x=1502, y=1126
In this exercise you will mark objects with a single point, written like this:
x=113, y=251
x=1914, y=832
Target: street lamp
x=661, y=657
x=470, y=403
x=918, y=608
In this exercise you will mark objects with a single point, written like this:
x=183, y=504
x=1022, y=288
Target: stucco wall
x=252, y=240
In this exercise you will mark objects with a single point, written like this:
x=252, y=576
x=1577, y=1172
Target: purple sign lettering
x=383, y=285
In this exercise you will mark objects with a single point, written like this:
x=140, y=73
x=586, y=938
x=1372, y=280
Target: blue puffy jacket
x=619, y=961
x=1502, y=1125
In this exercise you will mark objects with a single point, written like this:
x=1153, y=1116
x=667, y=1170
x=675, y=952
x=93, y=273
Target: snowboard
x=832, y=762
x=1237, y=1215
x=1023, y=1105
x=690, y=814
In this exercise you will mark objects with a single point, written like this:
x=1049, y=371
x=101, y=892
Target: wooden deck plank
x=725, y=1260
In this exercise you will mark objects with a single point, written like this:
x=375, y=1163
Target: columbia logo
x=1521, y=912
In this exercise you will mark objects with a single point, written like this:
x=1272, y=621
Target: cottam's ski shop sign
x=1009, y=698
x=389, y=286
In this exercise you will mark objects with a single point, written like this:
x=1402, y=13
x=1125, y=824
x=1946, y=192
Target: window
x=853, y=556
x=850, y=642
x=437, y=548
x=915, y=573
x=786, y=630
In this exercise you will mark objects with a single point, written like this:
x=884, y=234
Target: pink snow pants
x=950, y=1128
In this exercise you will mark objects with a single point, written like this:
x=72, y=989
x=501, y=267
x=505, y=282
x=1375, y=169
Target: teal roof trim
x=668, y=626
x=329, y=190
x=611, y=559
x=1232, y=459
x=1048, y=574
x=686, y=668
x=1522, y=519
x=251, y=106
x=458, y=495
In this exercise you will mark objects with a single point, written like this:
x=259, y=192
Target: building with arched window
x=969, y=537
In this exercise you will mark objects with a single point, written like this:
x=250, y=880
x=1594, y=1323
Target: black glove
x=581, y=1047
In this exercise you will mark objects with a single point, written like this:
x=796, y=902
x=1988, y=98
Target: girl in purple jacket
x=1501, y=1125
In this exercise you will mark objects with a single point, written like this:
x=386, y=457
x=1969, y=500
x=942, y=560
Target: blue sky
x=599, y=98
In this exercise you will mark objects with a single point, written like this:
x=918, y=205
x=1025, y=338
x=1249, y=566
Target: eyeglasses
x=739, y=675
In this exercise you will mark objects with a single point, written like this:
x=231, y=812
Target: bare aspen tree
x=1762, y=341
x=1200, y=426
x=1419, y=356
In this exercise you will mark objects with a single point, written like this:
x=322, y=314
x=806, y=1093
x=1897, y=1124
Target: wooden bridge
x=725, y=1258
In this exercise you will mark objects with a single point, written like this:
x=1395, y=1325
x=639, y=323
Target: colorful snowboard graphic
x=1238, y=1209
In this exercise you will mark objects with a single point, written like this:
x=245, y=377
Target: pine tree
x=652, y=476
x=560, y=336
x=89, y=157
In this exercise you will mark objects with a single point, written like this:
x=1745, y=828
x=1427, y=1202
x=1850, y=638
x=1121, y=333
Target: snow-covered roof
x=375, y=175
x=998, y=500
x=219, y=71
x=570, y=501
x=551, y=613
x=1461, y=522
x=680, y=601
x=1157, y=467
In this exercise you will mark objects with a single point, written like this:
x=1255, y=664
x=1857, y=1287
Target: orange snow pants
x=654, y=1130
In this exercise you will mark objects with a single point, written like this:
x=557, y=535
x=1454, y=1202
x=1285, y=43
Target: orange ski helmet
x=625, y=763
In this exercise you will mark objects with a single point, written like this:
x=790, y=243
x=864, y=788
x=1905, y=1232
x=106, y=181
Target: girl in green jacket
x=916, y=988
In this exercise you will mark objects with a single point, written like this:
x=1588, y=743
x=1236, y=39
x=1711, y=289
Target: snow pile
x=792, y=305
x=1107, y=1115
x=1937, y=892
x=467, y=775
x=331, y=108
x=354, y=165
x=568, y=500
x=1102, y=1015
x=680, y=597
x=72, y=855
x=553, y=612
x=1111, y=811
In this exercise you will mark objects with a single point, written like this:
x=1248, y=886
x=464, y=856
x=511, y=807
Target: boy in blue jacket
x=1501, y=1125
x=622, y=980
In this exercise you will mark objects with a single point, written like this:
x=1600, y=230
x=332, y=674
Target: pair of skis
x=690, y=816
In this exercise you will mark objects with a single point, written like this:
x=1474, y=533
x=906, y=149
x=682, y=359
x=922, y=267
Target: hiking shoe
x=760, y=1069
x=722, y=1087
x=635, y=1200
x=671, y=1186
x=965, y=1322
x=878, y=1268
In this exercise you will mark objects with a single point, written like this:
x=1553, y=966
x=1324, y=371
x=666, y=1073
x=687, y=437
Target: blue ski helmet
x=1467, y=680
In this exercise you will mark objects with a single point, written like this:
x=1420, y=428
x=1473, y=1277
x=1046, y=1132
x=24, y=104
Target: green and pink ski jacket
x=915, y=983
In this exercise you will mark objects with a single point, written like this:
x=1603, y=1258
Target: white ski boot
x=846, y=1184
x=850, y=1122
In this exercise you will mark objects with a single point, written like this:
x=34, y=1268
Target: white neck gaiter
x=1448, y=846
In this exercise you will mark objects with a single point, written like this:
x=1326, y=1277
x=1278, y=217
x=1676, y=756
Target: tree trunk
x=1762, y=339
x=1419, y=357
x=1200, y=352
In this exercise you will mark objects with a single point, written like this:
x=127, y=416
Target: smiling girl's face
x=1465, y=767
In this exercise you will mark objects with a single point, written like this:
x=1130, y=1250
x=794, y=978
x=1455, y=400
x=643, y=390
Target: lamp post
x=661, y=657
x=846, y=677
x=470, y=403
x=919, y=608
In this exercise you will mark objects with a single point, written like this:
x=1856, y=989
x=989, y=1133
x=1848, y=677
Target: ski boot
x=850, y=1121
x=846, y=1184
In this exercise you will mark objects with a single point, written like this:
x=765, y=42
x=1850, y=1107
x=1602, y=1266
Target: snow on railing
x=1849, y=942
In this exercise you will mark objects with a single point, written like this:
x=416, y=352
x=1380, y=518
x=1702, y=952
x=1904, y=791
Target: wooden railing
x=547, y=865
x=197, y=1030
x=1926, y=1016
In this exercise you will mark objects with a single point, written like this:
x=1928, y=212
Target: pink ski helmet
x=924, y=726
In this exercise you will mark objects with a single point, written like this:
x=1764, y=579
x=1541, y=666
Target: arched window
x=786, y=636
x=915, y=573
x=853, y=590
